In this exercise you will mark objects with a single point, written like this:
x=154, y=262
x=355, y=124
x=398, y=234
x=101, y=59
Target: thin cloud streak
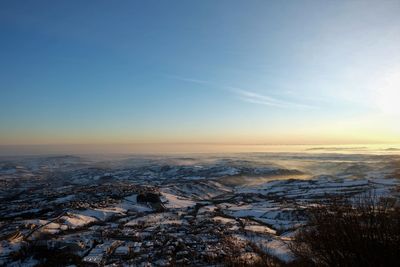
x=248, y=96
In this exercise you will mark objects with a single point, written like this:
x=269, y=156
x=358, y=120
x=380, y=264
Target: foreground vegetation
x=362, y=232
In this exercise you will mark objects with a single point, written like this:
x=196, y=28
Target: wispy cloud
x=251, y=97
x=248, y=96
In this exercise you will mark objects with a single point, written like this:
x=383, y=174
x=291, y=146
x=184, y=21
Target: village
x=131, y=216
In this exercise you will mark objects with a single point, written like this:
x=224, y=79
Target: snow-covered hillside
x=187, y=210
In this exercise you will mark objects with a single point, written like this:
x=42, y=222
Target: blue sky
x=199, y=72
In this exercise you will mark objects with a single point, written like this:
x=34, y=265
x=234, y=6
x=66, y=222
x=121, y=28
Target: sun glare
x=388, y=98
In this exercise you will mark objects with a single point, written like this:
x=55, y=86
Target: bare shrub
x=362, y=232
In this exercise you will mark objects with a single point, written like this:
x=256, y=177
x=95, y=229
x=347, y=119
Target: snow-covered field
x=184, y=210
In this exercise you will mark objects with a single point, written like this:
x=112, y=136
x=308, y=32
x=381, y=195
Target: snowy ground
x=89, y=209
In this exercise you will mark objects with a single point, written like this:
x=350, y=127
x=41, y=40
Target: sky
x=199, y=72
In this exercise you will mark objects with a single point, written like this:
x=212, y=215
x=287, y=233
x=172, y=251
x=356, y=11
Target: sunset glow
x=203, y=73
x=200, y=133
